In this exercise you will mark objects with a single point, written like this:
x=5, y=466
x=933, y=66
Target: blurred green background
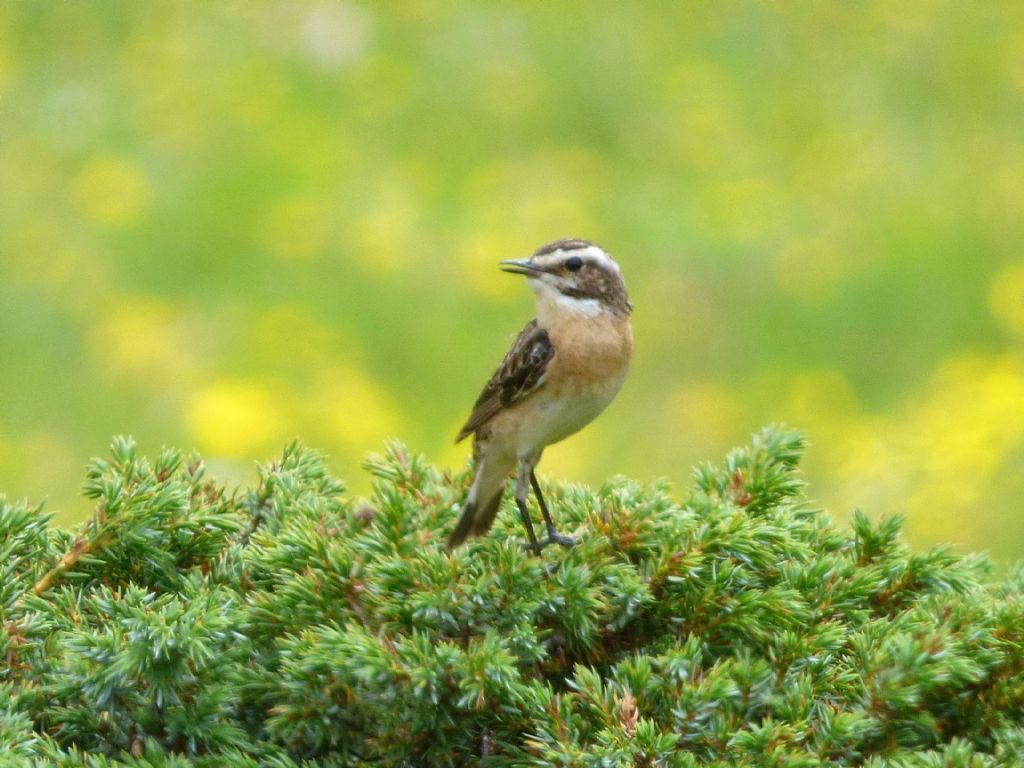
x=227, y=224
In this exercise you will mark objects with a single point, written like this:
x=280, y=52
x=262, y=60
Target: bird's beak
x=520, y=267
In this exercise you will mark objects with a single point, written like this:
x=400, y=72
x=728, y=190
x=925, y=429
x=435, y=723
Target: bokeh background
x=226, y=224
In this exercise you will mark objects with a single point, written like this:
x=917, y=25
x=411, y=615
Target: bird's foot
x=554, y=537
x=534, y=547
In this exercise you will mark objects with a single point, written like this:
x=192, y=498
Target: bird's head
x=574, y=275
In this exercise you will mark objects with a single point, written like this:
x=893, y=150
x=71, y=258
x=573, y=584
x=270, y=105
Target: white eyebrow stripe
x=597, y=256
x=549, y=259
x=592, y=253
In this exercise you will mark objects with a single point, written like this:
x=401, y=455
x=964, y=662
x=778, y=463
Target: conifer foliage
x=291, y=625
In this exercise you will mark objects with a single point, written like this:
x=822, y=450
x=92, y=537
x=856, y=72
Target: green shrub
x=290, y=625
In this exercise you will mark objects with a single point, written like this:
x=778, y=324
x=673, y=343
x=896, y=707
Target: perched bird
x=563, y=369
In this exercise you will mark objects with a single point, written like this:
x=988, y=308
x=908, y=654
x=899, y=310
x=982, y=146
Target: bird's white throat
x=586, y=307
x=551, y=303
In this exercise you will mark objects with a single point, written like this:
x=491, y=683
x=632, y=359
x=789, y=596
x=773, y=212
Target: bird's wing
x=520, y=373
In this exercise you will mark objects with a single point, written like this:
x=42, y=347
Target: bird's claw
x=533, y=547
x=554, y=537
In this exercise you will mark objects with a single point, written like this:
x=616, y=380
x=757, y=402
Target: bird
x=563, y=369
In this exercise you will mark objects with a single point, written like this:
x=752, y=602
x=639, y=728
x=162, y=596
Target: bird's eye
x=574, y=263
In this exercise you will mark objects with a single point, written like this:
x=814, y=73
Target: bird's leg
x=554, y=537
x=522, y=493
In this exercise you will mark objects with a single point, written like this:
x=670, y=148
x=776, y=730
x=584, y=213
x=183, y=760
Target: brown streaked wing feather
x=519, y=374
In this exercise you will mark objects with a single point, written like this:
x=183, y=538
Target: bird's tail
x=476, y=520
x=484, y=499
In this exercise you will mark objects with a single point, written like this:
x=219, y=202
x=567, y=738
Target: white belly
x=556, y=416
